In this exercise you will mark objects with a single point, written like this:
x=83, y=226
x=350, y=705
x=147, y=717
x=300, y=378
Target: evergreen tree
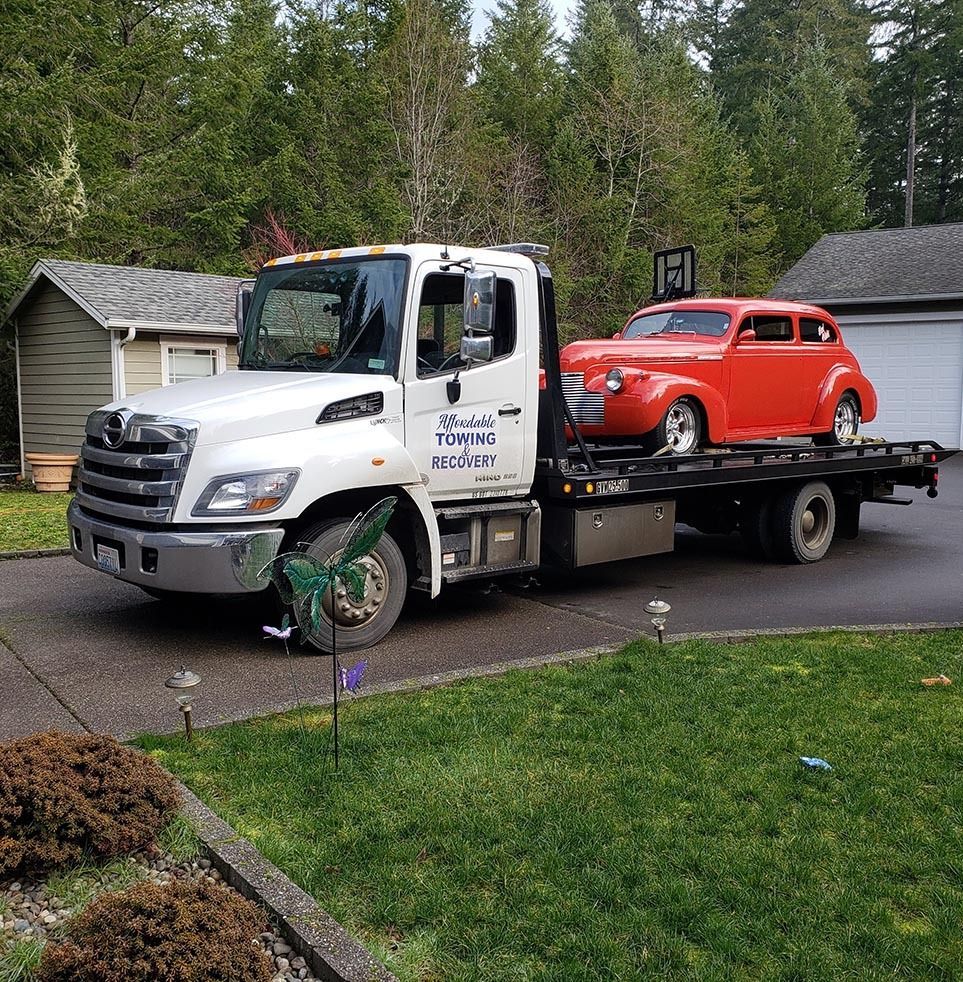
x=806, y=157
x=519, y=76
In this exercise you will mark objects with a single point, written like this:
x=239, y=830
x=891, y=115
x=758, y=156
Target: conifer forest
x=204, y=136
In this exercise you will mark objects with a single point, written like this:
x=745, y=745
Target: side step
x=479, y=572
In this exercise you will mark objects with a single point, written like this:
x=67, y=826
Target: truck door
x=474, y=447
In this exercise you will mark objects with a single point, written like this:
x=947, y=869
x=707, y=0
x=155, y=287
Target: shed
x=88, y=334
x=898, y=296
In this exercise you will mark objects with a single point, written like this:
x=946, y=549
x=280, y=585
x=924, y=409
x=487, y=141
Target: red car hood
x=655, y=354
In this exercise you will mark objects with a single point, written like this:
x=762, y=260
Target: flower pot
x=52, y=471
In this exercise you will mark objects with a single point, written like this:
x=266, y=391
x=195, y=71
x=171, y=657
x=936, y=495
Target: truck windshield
x=707, y=322
x=335, y=317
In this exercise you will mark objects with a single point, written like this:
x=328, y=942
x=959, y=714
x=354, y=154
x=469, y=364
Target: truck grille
x=587, y=408
x=131, y=466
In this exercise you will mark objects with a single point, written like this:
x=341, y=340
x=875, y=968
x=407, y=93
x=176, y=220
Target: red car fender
x=645, y=396
x=842, y=378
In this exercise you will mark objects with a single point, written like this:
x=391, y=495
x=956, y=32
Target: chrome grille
x=139, y=478
x=587, y=408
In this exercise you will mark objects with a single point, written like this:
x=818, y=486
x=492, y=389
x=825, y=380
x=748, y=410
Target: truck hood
x=651, y=353
x=241, y=405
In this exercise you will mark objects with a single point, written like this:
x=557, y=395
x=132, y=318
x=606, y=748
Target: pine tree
x=806, y=157
x=519, y=75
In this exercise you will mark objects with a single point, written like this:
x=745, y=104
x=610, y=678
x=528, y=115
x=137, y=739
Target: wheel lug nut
x=344, y=607
x=341, y=594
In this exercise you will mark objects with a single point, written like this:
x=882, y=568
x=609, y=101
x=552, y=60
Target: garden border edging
x=330, y=952
x=33, y=553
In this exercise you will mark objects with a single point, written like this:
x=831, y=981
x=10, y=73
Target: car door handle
x=510, y=411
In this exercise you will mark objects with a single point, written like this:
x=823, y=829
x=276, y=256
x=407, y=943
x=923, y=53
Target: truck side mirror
x=476, y=349
x=242, y=304
x=479, y=301
x=744, y=336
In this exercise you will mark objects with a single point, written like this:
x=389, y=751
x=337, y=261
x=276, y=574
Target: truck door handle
x=510, y=411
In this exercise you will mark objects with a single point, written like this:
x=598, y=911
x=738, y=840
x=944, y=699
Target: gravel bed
x=29, y=910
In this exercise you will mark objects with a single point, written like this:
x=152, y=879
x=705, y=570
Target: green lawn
x=29, y=520
x=641, y=815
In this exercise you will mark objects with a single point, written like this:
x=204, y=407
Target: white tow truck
x=430, y=373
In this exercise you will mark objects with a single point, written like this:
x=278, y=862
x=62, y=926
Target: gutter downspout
x=16, y=357
x=117, y=345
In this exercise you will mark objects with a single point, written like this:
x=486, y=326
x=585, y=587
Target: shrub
x=63, y=795
x=178, y=932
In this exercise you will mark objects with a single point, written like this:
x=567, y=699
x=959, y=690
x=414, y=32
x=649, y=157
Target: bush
x=64, y=795
x=179, y=932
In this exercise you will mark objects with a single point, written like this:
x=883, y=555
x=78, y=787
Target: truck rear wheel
x=803, y=523
x=360, y=624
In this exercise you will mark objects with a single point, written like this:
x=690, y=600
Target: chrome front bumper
x=210, y=561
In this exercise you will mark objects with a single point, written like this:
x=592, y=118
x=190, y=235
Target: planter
x=52, y=471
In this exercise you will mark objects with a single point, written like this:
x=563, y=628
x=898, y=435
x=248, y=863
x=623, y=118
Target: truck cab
x=358, y=379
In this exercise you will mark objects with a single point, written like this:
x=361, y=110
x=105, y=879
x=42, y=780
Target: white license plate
x=108, y=559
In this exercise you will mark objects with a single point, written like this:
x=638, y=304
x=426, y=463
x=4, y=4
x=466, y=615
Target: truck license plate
x=607, y=487
x=108, y=559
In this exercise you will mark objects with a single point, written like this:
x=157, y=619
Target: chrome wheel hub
x=680, y=428
x=844, y=423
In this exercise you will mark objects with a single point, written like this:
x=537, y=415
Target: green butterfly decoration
x=302, y=580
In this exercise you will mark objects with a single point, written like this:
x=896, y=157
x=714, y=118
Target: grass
x=19, y=960
x=86, y=880
x=179, y=838
x=29, y=520
x=639, y=816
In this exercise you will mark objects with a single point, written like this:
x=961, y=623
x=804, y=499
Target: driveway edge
x=33, y=553
x=330, y=952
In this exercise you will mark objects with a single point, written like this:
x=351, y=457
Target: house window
x=184, y=361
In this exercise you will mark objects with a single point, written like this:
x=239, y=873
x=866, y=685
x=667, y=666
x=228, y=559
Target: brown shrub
x=64, y=794
x=178, y=932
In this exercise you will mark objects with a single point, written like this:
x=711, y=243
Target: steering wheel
x=424, y=363
x=306, y=354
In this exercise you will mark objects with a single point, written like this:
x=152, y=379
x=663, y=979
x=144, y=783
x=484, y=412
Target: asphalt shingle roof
x=895, y=264
x=162, y=296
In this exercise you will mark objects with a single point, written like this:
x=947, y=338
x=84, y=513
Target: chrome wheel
x=846, y=419
x=681, y=427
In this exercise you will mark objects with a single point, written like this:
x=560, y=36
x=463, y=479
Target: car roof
x=736, y=306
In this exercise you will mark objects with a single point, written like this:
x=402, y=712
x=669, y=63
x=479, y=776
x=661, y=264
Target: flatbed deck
x=619, y=471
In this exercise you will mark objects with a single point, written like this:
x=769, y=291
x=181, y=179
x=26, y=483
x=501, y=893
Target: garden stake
x=334, y=668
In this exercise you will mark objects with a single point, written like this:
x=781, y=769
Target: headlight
x=614, y=379
x=242, y=494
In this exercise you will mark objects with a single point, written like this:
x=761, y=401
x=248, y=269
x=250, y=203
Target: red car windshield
x=706, y=322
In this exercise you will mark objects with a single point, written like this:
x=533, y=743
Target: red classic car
x=694, y=372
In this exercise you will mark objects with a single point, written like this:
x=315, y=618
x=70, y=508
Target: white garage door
x=917, y=369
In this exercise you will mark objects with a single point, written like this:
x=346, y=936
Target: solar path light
x=182, y=684
x=659, y=610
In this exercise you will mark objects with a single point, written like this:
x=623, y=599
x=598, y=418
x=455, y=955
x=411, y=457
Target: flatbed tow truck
x=413, y=371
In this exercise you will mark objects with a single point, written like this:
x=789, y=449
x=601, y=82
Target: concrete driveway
x=82, y=650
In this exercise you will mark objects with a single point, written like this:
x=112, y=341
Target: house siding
x=65, y=371
x=143, y=365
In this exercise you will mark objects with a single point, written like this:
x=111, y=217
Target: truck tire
x=803, y=523
x=755, y=526
x=680, y=429
x=845, y=422
x=359, y=625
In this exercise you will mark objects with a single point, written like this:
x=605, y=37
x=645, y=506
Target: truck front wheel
x=360, y=623
x=803, y=523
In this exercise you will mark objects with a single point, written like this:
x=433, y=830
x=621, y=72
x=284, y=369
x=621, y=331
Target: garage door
x=917, y=369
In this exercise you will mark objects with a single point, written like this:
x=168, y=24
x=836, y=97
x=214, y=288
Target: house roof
x=144, y=299
x=892, y=265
